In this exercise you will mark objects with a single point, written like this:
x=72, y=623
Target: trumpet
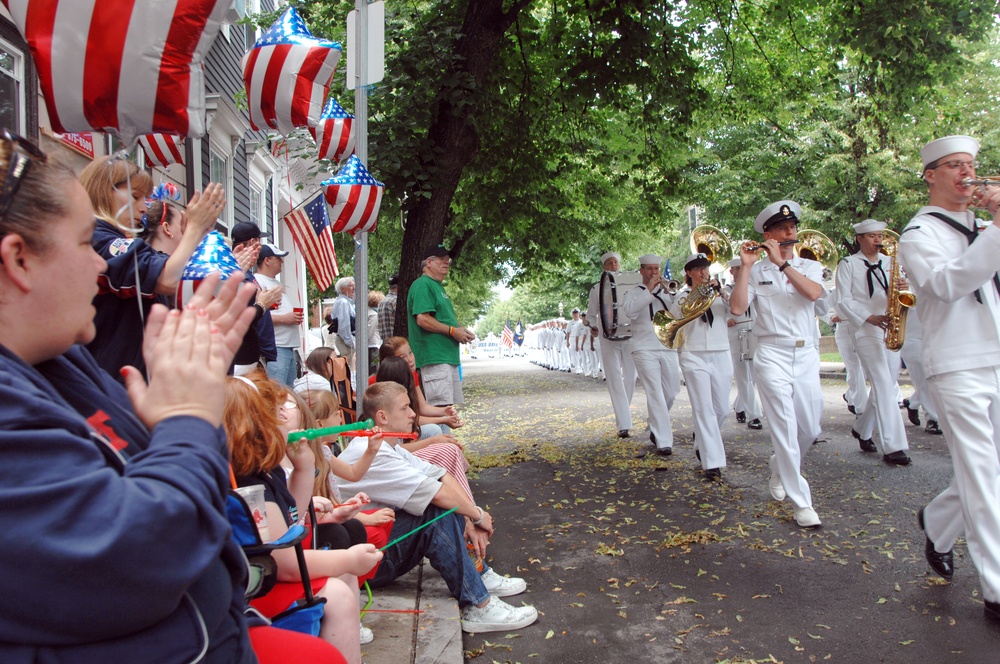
x=983, y=182
x=758, y=247
x=670, y=285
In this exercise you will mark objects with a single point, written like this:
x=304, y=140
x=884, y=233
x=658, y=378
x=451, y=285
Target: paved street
x=641, y=560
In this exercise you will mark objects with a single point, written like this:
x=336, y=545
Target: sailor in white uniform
x=784, y=288
x=862, y=285
x=745, y=404
x=656, y=364
x=952, y=267
x=616, y=355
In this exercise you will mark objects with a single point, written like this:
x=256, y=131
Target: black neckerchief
x=879, y=274
x=970, y=235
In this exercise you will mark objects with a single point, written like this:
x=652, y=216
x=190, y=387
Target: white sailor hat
x=869, y=226
x=695, y=261
x=610, y=254
x=775, y=213
x=736, y=262
x=650, y=259
x=942, y=147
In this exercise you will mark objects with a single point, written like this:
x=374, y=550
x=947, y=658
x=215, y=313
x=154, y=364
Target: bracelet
x=451, y=331
x=782, y=268
x=482, y=516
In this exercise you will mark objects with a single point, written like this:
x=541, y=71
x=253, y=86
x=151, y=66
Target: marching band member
x=786, y=364
x=707, y=367
x=952, y=269
x=616, y=355
x=574, y=336
x=912, y=353
x=655, y=363
x=856, y=395
x=745, y=404
x=862, y=284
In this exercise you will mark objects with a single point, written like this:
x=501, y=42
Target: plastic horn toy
x=368, y=433
x=312, y=434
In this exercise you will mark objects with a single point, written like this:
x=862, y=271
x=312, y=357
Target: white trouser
x=881, y=367
x=857, y=393
x=911, y=353
x=746, y=395
x=660, y=375
x=969, y=405
x=788, y=380
x=619, y=370
x=708, y=375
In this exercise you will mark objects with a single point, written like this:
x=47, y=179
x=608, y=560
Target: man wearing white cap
x=616, y=355
x=740, y=328
x=952, y=268
x=862, y=285
x=656, y=364
x=786, y=364
x=708, y=369
x=270, y=262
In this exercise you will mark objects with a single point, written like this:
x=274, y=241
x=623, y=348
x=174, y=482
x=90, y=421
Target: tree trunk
x=453, y=136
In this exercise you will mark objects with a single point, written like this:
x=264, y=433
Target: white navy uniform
x=616, y=361
x=861, y=292
x=912, y=353
x=708, y=373
x=962, y=360
x=746, y=394
x=857, y=390
x=656, y=364
x=786, y=366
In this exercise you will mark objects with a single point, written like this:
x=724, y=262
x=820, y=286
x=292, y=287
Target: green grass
x=830, y=357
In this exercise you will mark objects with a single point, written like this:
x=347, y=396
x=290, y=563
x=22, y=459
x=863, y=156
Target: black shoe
x=991, y=611
x=697, y=454
x=943, y=564
x=851, y=410
x=713, y=474
x=913, y=414
x=652, y=438
x=867, y=444
x=755, y=424
x=932, y=428
x=664, y=451
x=623, y=433
x=897, y=458
x=741, y=416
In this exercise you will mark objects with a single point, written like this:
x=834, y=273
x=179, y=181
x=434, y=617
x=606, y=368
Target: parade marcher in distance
x=746, y=404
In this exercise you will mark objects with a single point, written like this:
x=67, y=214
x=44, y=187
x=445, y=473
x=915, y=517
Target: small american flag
x=162, y=149
x=310, y=228
x=333, y=134
x=354, y=197
x=507, y=336
x=287, y=75
x=121, y=65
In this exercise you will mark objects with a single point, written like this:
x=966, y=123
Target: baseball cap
x=245, y=230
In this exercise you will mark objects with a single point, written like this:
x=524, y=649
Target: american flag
x=354, y=197
x=126, y=66
x=211, y=255
x=333, y=134
x=310, y=229
x=287, y=75
x=507, y=336
x=162, y=149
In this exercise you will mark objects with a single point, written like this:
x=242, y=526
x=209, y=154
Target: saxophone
x=900, y=301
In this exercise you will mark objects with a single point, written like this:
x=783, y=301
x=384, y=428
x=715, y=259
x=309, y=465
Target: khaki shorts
x=442, y=386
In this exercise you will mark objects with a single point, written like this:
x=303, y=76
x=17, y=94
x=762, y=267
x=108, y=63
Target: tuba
x=693, y=305
x=712, y=242
x=900, y=301
x=817, y=247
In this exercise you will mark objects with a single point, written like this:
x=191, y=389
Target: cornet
x=670, y=285
x=980, y=184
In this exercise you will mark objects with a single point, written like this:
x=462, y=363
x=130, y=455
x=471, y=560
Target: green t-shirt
x=427, y=296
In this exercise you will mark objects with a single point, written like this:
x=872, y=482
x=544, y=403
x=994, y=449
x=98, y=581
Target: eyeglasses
x=16, y=168
x=956, y=164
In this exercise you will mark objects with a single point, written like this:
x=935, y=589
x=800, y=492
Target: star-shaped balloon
x=287, y=75
x=333, y=133
x=354, y=197
x=211, y=255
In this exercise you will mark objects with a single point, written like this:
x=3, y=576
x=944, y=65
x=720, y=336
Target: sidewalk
x=415, y=621
x=835, y=370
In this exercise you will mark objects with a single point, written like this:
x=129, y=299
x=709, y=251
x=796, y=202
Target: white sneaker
x=806, y=517
x=503, y=586
x=497, y=616
x=367, y=636
x=775, y=485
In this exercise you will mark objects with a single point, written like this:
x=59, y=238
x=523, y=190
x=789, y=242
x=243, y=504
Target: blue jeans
x=283, y=370
x=443, y=543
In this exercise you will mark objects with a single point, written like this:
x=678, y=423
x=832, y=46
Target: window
x=269, y=211
x=219, y=172
x=12, y=95
x=256, y=205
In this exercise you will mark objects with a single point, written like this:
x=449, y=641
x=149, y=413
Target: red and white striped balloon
x=162, y=149
x=334, y=133
x=354, y=197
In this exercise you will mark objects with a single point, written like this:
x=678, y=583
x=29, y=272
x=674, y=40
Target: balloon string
x=417, y=529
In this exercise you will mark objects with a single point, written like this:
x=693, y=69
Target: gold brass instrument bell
x=817, y=247
x=712, y=242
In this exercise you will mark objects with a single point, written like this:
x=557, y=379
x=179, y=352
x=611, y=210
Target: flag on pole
x=507, y=337
x=519, y=332
x=310, y=228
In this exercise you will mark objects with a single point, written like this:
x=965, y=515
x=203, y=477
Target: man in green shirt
x=434, y=331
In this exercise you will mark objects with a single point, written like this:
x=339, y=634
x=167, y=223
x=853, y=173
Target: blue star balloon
x=211, y=255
